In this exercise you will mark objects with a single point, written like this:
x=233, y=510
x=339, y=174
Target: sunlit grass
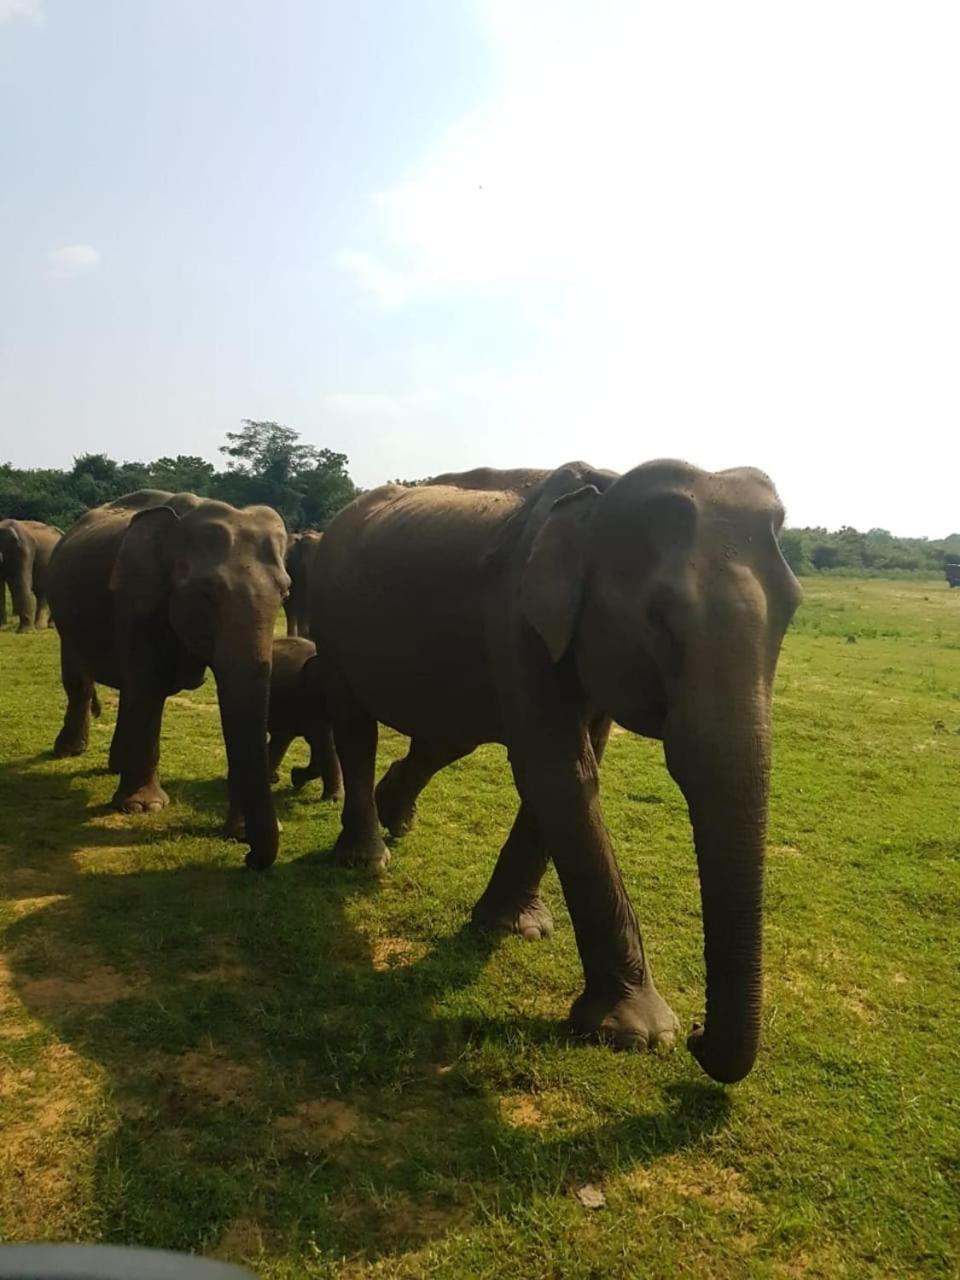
x=325, y=1075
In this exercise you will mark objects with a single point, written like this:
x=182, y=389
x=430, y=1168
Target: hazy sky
x=441, y=233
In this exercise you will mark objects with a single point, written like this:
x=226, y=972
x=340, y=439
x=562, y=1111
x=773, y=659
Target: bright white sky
x=436, y=235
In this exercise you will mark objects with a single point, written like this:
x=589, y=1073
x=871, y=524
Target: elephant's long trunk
x=726, y=784
x=243, y=691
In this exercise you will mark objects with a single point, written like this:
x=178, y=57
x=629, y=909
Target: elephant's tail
x=94, y=702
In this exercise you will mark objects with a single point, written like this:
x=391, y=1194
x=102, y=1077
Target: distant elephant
x=150, y=590
x=301, y=548
x=293, y=715
x=532, y=614
x=25, y=550
x=953, y=574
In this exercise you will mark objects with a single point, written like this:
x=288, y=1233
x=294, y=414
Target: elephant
x=301, y=548
x=150, y=590
x=292, y=715
x=25, y=550
x=953, y=574
x=531, y=615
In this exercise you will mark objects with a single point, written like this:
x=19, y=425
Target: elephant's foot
x=529, y=916
x=66, y=745
x=636, y=1018
x=235, y=827
x=397, y=812
x=150, y=798
x=25, y=630
x=331, y=793
x=365, y=855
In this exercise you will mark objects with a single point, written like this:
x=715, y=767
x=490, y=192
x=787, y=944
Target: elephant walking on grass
x=150, y=590
x=301, y=549
x=293, y=715
x=25, y=550
x=529, y=611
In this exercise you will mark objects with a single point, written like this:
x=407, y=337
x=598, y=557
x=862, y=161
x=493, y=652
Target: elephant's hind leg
x=78, y=686
x=359, y=843
x=398, y=789
x=511, y=902
x=323, y=764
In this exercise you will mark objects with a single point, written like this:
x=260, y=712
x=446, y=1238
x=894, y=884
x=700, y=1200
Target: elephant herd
x=527, y=608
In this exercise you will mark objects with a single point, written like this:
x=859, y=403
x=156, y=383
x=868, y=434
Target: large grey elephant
x=150, y=590
x=301, y=548
x=25, y=550
x=530, y=614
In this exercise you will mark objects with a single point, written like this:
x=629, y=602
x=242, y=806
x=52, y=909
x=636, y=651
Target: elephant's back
x=397, y=604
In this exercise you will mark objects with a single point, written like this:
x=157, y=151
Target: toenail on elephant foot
x=530, y=917
x=637, y=1017
x=365, y=855
x=149, y=799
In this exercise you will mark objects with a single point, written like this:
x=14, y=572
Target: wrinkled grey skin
x=150, y=590
x=301, y=548
x=530, y=613
x=25, y=550
x=293, y=714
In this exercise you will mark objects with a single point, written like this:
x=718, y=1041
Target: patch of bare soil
x=98, y=986
x=45, y=1157
x=213, y=1075
x=316, y=1124
x=396, y=1216
x=535, y=1111
x=395, y=953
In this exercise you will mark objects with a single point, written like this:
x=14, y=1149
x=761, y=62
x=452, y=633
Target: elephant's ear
x=551, y=584
x=141, y=571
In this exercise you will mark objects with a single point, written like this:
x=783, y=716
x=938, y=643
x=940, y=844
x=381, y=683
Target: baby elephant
x=292, y=714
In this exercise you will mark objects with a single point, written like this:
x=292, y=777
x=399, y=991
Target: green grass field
x=323, y=1075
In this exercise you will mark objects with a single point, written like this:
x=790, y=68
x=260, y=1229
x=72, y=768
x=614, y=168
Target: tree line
x=267, y=462
x=876, y=553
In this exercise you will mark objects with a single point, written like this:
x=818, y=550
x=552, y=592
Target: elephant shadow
x=273, y=1076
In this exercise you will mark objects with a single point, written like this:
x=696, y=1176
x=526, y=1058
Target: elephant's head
x=668, y=592
x=217, y=574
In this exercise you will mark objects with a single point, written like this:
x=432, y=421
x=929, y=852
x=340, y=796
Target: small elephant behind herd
x=528, y=608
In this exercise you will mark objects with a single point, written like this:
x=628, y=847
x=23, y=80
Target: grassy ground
x=325, y=1076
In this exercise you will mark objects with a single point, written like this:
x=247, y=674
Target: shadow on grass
x=268, y=1065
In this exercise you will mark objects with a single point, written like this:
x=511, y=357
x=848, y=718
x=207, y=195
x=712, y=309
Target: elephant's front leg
x=558, y=778
x=135, y=750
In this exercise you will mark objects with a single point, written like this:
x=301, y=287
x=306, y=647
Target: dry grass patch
x=717, y=1186
x=316, y=1124
x=98, y=986
x=395, y=953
